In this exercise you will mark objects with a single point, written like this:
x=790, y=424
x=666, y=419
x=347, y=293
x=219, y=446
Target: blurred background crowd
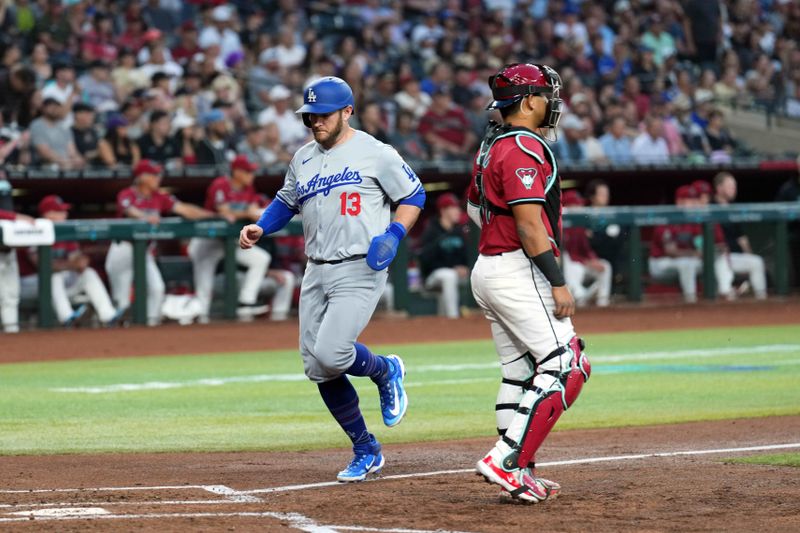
x=100, y=83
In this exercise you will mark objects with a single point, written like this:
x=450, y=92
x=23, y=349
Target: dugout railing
x=632, y=219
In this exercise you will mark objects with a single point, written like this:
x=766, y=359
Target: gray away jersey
x=344, y=194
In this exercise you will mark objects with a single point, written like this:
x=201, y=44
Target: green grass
x=445, y=403
x=780, y=459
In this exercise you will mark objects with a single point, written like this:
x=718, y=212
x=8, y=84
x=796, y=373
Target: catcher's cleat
x=394, y=401
x=367, y=459
x=518, y=483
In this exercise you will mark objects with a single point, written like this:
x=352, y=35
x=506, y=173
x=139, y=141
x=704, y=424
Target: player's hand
x=153, y=219
x=249, y=236
x=596, y=265
x=383, y=248
x=565, y=305
x=25, y=218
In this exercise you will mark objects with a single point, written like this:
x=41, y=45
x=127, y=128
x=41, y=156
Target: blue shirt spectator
x=616, y=144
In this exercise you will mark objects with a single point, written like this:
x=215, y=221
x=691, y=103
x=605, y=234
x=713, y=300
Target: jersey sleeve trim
x=528, y=150
x=287, y=202
x=470, y=202
x=526, y=201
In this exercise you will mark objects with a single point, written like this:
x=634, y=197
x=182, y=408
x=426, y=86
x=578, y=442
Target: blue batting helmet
x=326, y=95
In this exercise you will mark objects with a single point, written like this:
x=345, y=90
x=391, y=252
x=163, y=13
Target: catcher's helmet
x=326, y=95
x=516, y=81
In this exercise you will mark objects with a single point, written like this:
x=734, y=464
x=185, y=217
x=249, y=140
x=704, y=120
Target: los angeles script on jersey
x=324, y=184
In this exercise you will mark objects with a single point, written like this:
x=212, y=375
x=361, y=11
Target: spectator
x=214, y=147
x=570, y=149
x=72, y=274
x=52, y=140
x=412, y=99
x=633, y=94
x=650, y=147
x=40, y=64
x=85, y=134
x=98, y=43
x=292, y=130
x=97, y=88
x=581, y=264
x=443, y=254
x=439, y=78
x=371, y=121
x=144, y=201
x=288, y=53
x=62, y=87
x=221, y=32
x=659, y=40
x=692, y=135
x=273, y=146
x=741, y=256
x=406, y=139
x=157, y=144
x=252, y=147
x=187, y=46
x=17, y=89
x=117, y=148
x=722, y=144
x=615, y=142
x=445, y=128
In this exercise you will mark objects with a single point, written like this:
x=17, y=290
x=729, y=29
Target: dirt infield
x=664, y=478
x=262, y=491
x=263, y=335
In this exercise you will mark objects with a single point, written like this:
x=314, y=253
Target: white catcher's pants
x=68, y=284
x=446, y=281
x=9, y=291
x=206, y=255
x=119, y=267
x=576, y=274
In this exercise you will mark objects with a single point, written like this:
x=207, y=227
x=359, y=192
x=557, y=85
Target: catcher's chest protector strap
x=552, y=206
x=542, y=405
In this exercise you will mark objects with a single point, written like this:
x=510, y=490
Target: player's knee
x=334, y=357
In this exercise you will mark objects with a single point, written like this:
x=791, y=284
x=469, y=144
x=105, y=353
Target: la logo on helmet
x=312, y=96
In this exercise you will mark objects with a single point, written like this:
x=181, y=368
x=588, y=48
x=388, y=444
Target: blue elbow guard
x=417, y=199
x=275, y=216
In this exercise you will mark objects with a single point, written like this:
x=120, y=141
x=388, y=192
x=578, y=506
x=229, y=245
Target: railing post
x=139, y=281
x=781, y=258
x=709, y=277
x=45, y=264
x=399, y=277
x=231, y=286
x=635, y=267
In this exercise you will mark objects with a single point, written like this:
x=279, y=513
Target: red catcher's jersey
x=221, y=192
x=158, y=203
x=518, y=169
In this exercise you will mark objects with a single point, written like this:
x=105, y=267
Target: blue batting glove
x=383, y=248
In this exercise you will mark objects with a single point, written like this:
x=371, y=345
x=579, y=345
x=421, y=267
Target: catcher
x=516, y=199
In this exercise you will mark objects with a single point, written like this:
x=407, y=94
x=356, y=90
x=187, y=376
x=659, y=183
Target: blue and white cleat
x=368, y=459
x=394, y=401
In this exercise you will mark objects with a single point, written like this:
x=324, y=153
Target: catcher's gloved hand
x=383, y=248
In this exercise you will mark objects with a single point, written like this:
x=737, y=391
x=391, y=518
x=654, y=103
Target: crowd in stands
x=100, y=83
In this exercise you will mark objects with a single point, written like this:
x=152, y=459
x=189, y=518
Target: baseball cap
x=447, y=200
x=81, y=107
x=242, y=163
x=222, y=13
x=53, y=202
x=116, y=121
x=146, y=166
x=209, y=117
x=572, y=198
x=279, y=92
x=685, y=192
x=702, y=187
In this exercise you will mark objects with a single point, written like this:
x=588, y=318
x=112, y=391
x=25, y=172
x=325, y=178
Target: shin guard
x=558, y=382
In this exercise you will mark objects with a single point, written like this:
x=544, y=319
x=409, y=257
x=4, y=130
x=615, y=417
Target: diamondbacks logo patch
x=312, y=96
x=527, y=176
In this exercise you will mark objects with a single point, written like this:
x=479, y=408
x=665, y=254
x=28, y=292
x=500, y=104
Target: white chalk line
x=265, y=378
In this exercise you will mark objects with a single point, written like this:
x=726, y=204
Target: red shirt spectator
x=446, y=127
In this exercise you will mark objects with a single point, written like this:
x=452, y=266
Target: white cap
x=279, y=92
x=572, y=122
x=222, y=13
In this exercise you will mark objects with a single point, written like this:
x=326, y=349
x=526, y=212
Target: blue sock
x=368, y=364
x=342, y=401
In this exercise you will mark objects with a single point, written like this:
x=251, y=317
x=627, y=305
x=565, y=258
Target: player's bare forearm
x=407, y=215
x=192, y=212
x=531, y=230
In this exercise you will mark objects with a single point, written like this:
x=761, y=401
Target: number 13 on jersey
x=351, y=204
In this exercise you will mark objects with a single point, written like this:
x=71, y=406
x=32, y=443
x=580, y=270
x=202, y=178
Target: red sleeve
x=524, y=173
x=124, y=201
x=7, y=215
x=167, y=203
x=252, y=196
x=425, y=125
x=215, y=195
x=719, y=236
x=472, y=192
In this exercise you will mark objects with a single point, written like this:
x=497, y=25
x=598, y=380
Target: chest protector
x=552, y=205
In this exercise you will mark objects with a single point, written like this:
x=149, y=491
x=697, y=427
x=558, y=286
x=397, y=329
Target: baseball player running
x=235, y=198
x=516, y=198
x=144, y=201
x=342, y=184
